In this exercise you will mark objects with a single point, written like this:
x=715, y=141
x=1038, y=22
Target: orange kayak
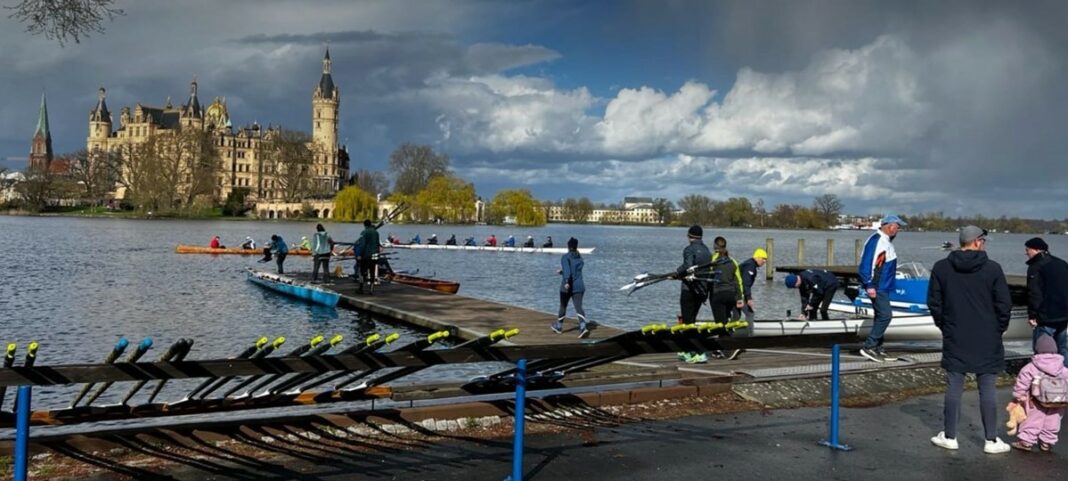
x=184, y=249
x=448, y=287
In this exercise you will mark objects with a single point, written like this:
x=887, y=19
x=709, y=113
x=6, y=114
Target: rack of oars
x=258, y=377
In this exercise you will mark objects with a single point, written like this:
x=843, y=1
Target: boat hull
x=525, y=250
x=294, y=288
x=448, y=287
x=187, y=249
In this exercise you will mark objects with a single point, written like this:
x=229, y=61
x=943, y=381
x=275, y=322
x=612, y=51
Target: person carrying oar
x=694, y=291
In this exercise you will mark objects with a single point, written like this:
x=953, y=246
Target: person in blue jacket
x=277, y=249
x=817, y=288
x=572, y=287
x=510, y=242
x=877, y=271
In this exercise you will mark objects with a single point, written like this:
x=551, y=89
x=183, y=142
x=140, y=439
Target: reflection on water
x=77, y=285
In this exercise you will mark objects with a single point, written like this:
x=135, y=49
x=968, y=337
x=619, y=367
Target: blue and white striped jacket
x=878, y=264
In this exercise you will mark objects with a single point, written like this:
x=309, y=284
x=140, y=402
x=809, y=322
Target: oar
x=483, y=341
x=262, y=353
x=31, y=357
x=187, y=345
x=416, y=346
x=371, y=344
x=142, y=348
x=645, y=279
x=256, y=346
x=314, y=351
x=9, y=360
x=315, y=341
x=167, y=356
x=110, y=359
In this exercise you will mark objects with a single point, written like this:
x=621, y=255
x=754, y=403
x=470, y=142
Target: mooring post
x=22, y=433
x=520, y=410
x=830, y=252
x=769, y=269
x=832, y=441
x=800, y=252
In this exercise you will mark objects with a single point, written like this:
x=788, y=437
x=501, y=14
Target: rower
x=491, y=241
x=215, y=243
x=433, y=240
x=248, y=244
x=510, y=241
x=416, y=240
x=548, y=242
x=470, y=241
x=451, y=241
x=529, y=242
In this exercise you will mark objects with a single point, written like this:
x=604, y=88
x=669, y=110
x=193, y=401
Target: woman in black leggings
x=727, y=291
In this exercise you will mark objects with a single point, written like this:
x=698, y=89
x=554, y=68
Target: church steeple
x=41, y=146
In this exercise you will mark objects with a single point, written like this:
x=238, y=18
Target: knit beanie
x=695, y=231
x=572, y=243
x=1037, y=243
x=1045, y=345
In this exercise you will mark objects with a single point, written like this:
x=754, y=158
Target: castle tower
x=41, y=147
x=325, y=101
x=99, y=125
x=192, y=115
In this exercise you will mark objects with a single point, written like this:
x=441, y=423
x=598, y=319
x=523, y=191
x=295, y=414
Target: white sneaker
x=943, y=442
x=997, y=446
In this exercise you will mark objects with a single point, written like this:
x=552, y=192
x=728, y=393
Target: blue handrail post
x=520, y=410
x=832, y=441
x=22, y=433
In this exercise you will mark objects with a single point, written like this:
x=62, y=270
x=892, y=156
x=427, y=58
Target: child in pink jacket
x=1042, y=424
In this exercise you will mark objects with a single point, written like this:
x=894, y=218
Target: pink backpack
x=1050, y=392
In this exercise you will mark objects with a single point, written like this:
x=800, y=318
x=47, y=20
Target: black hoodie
x=969, y=301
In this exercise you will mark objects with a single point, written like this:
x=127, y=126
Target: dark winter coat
x=1047, y=290
x=814, y=284
x=695, y=254
x=748, y=270
x=969, y=301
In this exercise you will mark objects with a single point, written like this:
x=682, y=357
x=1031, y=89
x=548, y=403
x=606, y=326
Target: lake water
x=77, y=285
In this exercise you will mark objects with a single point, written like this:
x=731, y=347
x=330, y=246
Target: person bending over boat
x=248, y=244
x=728, y=294
x=491, y=241
x=470, y=242
x=276, y=247
x=694, y=291
x=748, y=270
x=571, y=288
x=369, y=247
x=451, y=241
x=548, y=242
x=817, y=288
x=215, y=243
x=510, y=241
x=529, y=242
x=433, y=240
x=321, y=247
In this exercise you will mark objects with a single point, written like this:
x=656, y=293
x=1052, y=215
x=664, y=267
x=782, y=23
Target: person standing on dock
x=748, y=270
x=278, y=249
x=322, y=246
x=817, y=288
x=727, y=294
x=694, y=291
x=970, y=303
x=369, y=245
x=572, y=287
x=877, y=270
x=1047, y=294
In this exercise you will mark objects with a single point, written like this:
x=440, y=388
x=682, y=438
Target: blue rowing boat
x=294, y=288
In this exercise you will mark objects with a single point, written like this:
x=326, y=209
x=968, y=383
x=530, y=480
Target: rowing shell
x=186, y=249
x=527, y=250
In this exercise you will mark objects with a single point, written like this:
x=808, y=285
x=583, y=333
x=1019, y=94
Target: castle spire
x=100, y=113
x=326, y=82
x=193, y=106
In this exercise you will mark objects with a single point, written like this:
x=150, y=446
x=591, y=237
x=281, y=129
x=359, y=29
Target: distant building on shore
x=41, y=155
x=244, y=161
x=635, y=210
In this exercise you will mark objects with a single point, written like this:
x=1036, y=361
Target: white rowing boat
x=527, y=250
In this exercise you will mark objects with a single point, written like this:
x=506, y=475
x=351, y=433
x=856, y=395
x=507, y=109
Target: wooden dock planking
x=465, y=317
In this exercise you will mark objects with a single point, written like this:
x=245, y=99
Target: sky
x=903, y=106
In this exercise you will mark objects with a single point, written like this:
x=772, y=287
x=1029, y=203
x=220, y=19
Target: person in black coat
x=969, y=302
x=1047, y=294
x=817, y=288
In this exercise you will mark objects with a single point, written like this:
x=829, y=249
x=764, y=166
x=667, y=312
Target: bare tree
x=372, y=182
x=291, y=159
x=64, y=20
x=198, y=159
x=664, y=209
x=414, y=165
x=96, y=173
x=828, y=206
x=40, y=187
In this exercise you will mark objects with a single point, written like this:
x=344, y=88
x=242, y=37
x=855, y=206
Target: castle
x=245, y=164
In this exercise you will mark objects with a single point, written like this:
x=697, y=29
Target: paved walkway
x=891, y=443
